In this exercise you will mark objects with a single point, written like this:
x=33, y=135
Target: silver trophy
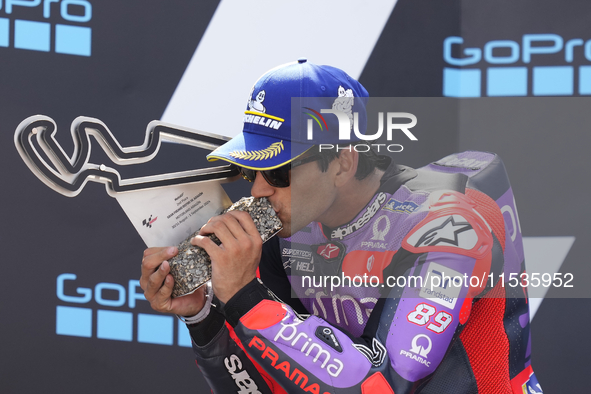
x=165, y=208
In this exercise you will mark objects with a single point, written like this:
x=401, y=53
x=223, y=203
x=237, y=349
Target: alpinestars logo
x=328, y=251
x=369, y=213
x=148, y=222
x=241, y=377
x=446, y=230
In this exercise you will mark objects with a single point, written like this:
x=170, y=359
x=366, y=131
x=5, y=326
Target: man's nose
x=260, y=187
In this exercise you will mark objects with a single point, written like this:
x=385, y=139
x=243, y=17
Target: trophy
x=163, y=208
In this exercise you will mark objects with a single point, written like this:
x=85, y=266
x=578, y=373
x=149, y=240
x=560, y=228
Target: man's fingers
x=152, y=250
x=155, y=280
x=162, y=300
x=246, y=222
x=204, y=242
x=156, y=256
x=158, y=283
x=160, y=289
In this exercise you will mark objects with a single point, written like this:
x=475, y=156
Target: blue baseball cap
x=284, y=116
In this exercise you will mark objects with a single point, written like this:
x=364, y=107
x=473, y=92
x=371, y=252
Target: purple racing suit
x=412, y=296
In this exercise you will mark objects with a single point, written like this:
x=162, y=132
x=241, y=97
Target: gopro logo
x=113, y=323
x=35, y=35
x=503, y=80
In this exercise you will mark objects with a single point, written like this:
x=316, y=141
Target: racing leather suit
x=422, y=304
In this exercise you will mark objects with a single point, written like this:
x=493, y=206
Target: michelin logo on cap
x=256, y=112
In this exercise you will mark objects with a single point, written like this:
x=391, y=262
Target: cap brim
x=258, y=152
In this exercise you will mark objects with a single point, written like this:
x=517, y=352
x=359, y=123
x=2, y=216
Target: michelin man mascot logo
x=257, y=103
x=344, y=103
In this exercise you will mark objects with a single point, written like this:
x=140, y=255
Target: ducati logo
x=370, y=262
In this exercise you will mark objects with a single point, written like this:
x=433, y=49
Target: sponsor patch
x=441, y=285
x=240, y=376
x=306, y=266
x=374, y=245
x=526, y=382
x=297, y=253
x=291, y=336
x=400, y=207
x=532, y=386
x=455, y=161
x=420, y=348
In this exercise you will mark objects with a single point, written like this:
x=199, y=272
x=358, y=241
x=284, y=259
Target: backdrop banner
x=135, y=93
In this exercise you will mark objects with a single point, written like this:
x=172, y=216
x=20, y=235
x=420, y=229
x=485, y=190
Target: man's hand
x=235, y=261
x=157, y=284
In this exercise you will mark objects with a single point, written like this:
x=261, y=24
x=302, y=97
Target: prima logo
x=310, y=348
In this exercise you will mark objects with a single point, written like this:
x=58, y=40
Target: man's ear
x=347, y=162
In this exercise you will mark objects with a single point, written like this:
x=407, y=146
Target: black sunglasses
x=277, y=177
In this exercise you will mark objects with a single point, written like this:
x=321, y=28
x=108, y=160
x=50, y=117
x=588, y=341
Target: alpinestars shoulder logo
x=452, y=225
x=448, y=232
